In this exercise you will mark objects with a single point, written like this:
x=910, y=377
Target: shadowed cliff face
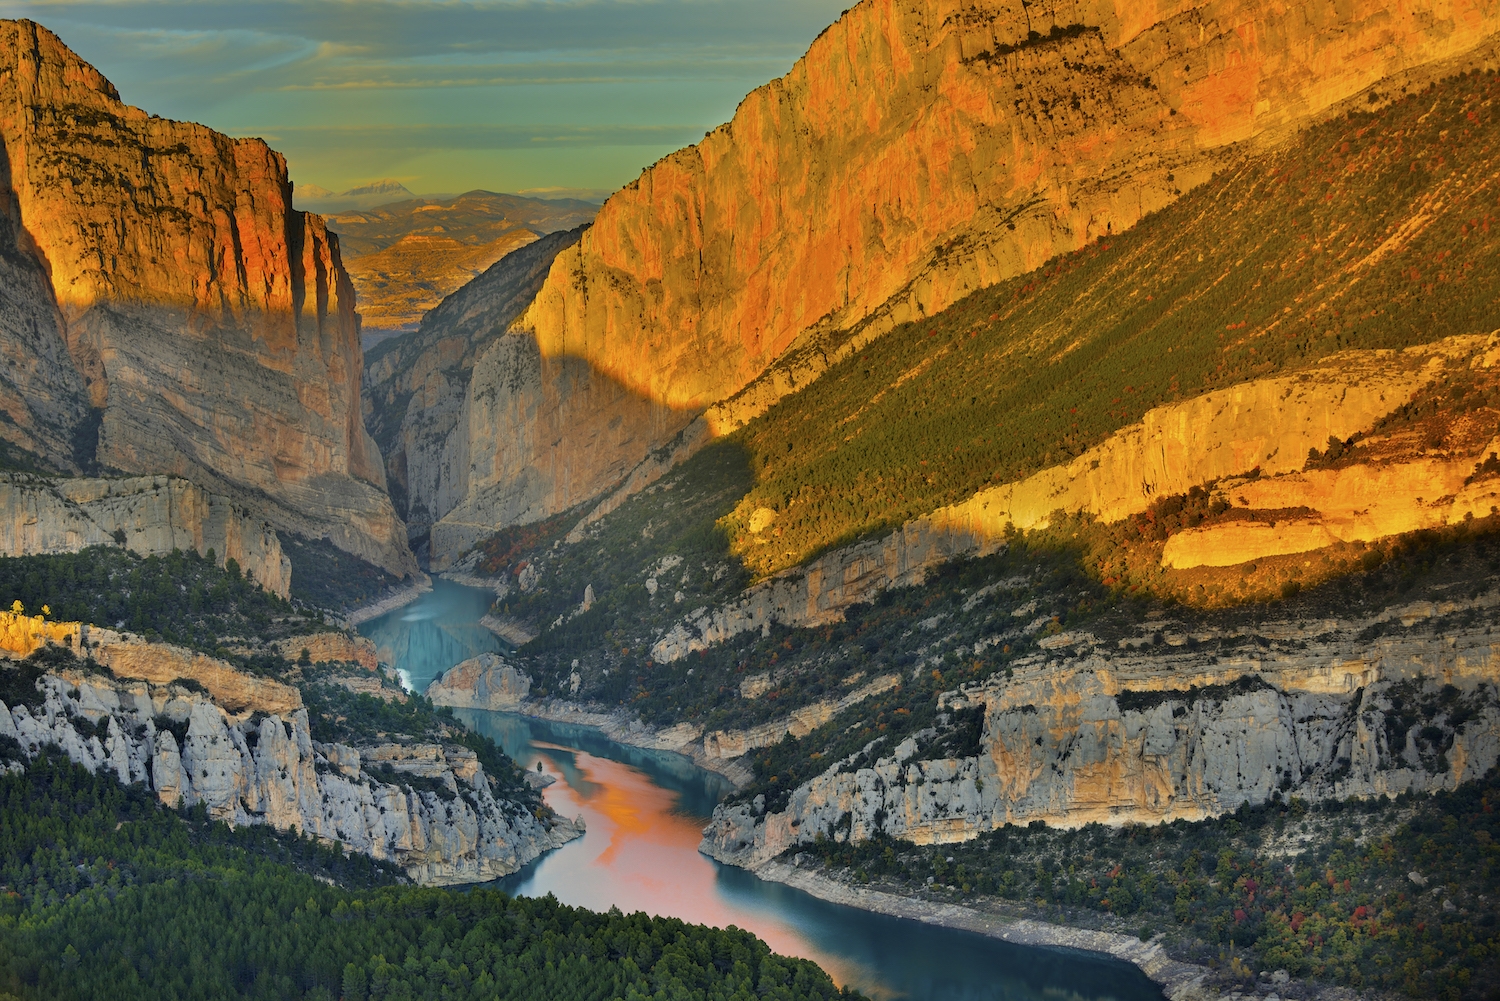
x=417, y=385
x=542, y=435
x=212, y=323
x=42, y=400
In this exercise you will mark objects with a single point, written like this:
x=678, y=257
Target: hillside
x=1262, y=274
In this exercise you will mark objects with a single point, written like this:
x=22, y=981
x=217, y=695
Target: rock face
x=488, y=681
x=529, y=456
x=920, y=150
x=417, y=386
x=157, y=514
x=338, y=648
x=212, y=324
x=268, y=770
x=1103, y=736
x=42, y=397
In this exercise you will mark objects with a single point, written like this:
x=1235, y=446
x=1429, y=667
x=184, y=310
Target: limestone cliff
x=417, y=386
x=529, y=455
x=157, y=514
x=42, y=398
x=430, y=808
x=925, y=148
x=1083, y=734
x=212, y=324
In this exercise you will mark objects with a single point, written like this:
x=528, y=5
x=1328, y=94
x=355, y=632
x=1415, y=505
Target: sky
x=549, y=97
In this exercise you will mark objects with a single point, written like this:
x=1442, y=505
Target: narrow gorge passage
x=645, y=812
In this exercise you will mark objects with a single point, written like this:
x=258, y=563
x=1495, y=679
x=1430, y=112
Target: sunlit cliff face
x=926, y=148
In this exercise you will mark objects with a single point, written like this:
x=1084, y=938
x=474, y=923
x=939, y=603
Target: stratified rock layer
x=1250, y=442
x=156, y=514
x=269, y=770
x=212, y=324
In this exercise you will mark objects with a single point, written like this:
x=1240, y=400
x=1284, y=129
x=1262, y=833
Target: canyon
x=210, y=327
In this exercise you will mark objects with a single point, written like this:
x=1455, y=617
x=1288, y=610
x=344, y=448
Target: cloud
x=490, y=77
x=386, y=138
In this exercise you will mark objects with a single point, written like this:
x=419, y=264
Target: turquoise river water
x=645, y=811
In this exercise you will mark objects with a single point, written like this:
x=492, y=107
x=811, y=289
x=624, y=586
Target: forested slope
x=106, y=894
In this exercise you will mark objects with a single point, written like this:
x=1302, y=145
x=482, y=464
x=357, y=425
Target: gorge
x=1029, y=481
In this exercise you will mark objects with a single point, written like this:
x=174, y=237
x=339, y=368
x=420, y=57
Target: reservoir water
x=645, y=811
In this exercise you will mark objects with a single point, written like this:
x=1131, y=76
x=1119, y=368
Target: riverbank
x=398, y=598
x=1179, y=981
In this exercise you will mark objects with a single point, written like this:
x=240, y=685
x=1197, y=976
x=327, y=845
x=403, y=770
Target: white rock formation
x=1088, y=735
x=428, y=808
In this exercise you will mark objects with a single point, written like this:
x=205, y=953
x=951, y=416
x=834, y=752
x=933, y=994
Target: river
x=645, y=811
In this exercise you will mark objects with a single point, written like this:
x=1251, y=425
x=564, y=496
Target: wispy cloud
x=355, y=89
x=383, y=138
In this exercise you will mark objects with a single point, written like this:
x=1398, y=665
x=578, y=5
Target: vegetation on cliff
x=186, y=599
x=1365, y=232
x=1370, y=894
x=324, y=576
x=106, y=893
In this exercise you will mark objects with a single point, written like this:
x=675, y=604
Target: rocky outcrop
x=1358, y=503
x=488, y=681
x=427, y=808
x=156, y=515
x=1316, y=710
x=1265, y=427
x=129, y=656
x=920, y=150
x=211, y=323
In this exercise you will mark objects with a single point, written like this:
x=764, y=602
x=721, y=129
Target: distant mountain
x=405, y=257
x=316, y=198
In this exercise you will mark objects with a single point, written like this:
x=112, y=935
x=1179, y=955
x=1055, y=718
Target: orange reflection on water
x=640, y=854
